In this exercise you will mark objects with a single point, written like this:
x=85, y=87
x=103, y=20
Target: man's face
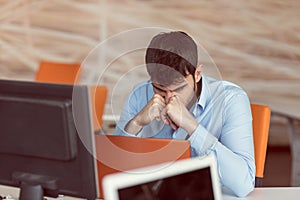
x=184, y=90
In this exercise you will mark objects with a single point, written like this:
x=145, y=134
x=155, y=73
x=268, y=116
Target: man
x=180, y=102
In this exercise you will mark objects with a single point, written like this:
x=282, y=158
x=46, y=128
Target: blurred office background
x=255, y=44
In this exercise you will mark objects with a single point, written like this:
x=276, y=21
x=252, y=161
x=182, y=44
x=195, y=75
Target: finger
x=164, y=116
x=173, y=99
x=166, y=119
x=159, y=97
x=157, y=109
x=169, y=107
x=157, y=102
x=154, y=113
x=157, y=114
x=173, y=125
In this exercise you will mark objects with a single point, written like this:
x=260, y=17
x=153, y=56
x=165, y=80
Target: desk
x=290, y=109
x=269, y=193
x=14, y=192
x=287, y=105
x=263, y=193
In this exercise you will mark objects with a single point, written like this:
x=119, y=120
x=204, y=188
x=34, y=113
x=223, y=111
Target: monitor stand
x=32, y=186
x=31, y=192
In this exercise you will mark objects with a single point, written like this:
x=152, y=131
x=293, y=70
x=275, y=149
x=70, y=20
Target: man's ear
x=198, y=73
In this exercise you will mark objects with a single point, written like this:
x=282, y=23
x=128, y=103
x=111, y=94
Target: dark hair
x=168, y=53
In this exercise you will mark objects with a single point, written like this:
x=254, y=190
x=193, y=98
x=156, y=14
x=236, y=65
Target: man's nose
x=168, y=95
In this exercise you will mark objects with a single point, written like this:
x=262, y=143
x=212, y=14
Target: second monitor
x=46, y=145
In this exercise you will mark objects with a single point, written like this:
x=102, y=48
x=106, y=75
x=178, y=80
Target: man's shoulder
x=142, y=91
x=142, y=85
x=142, y=88
x=225, y=86
x=233, y=87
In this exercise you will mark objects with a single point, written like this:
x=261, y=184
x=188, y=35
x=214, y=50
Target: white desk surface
x=269, y=193
x=261, y=193
x=14, y=193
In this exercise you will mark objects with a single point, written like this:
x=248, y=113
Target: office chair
x=66, y=73
x=98, y=97
x=261, y=123
x=54, y=72
x=122, y=153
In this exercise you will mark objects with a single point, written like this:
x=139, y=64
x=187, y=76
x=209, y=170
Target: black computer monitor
x=46, y=140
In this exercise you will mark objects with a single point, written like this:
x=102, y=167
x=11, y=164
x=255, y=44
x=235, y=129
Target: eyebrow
x=176, y=89
x=157, y=87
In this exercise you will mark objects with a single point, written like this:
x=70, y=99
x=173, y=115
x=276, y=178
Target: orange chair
x=54, y=72
x=261, y=123
x=66, y=73
x=122, y=153
x=98, y=97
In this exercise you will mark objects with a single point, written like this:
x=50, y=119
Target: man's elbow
x=244, y=190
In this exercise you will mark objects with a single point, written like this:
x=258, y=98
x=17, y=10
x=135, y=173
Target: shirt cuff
x=202, y=142
x=119, y=130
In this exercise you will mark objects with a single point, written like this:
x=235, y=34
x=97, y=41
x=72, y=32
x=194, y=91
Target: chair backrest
x=98, y=97
x=55, y=72
x=122, y=153
x=261, y=123
x=67, y=73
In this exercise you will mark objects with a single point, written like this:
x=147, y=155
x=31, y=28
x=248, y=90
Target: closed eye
x=175, y=90
x=179, y=89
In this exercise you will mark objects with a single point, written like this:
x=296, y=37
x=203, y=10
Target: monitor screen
x=46, y=139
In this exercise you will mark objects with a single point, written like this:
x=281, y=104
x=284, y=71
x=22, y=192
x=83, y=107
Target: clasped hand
x=173, y=113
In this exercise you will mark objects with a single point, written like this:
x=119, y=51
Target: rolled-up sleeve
x=133, y=104
x=128, y=112
x=234, y=149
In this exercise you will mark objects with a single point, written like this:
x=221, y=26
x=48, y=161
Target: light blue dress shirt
x=225, y=129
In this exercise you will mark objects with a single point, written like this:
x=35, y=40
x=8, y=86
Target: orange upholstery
x=121, y=153
x=98, y=97
x=66, y=73
x=261, y=122
x=57, y=72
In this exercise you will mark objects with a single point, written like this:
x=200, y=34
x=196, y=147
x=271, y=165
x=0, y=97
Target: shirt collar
x=204, y=96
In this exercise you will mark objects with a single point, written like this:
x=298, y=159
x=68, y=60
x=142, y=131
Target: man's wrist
x=192, y=127
x=133, y=127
